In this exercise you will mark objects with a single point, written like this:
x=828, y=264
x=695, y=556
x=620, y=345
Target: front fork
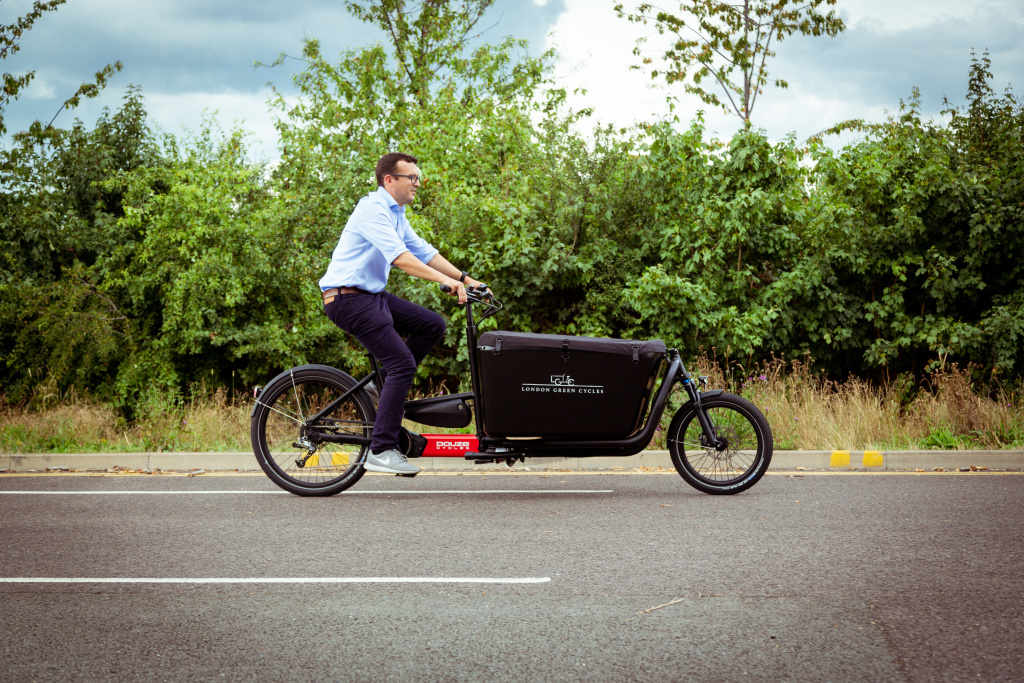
x=693, y=388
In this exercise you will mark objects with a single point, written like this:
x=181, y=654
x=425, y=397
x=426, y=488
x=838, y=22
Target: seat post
x=375, y=369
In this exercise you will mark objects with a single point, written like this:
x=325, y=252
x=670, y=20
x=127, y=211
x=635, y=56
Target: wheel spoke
x=277, y=410
x=298, y=403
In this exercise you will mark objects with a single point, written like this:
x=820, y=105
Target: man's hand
x=475, y=283
x=456, y=288
x=413, y=266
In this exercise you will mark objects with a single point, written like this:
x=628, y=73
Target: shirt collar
x=392, y=204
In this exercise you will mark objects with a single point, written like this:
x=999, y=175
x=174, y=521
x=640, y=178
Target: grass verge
x=806, y=412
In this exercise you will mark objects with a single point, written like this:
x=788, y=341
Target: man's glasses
x=414, y=178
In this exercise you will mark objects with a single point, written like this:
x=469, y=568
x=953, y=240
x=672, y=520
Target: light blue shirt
x=376, y=234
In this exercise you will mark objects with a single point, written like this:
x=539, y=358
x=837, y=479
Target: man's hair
x=388, y=164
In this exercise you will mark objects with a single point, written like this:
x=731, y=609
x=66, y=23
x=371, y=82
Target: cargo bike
x=533, y=395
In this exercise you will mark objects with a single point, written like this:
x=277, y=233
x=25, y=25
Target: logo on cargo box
x=562, y=384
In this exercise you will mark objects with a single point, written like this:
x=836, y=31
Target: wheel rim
x=726, y=466
x=285, y=436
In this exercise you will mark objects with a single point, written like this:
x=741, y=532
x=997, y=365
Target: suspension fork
x=693, y=389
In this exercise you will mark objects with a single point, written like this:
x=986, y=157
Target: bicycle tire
x=743, y=461
x=278, y=426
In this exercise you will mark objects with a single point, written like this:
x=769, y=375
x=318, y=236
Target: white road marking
x=347, y=493
x=359, y=579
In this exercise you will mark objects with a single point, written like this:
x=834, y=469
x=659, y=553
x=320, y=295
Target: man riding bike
x=376, y=237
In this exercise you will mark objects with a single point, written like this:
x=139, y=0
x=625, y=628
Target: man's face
x=402, y=188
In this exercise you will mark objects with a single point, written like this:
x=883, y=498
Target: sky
x=196, y=56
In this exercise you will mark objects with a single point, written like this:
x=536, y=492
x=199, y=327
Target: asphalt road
x=826, y=577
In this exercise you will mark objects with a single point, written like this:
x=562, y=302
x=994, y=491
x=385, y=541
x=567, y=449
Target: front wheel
x=738, y=462
x=289, y=444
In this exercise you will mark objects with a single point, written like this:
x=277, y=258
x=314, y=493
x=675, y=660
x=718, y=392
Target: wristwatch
x=462, y=278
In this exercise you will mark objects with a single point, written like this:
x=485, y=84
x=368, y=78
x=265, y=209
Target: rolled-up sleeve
x=419, y=247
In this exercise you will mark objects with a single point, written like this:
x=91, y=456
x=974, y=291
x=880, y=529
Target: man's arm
x=413, y=266
x=441, y=264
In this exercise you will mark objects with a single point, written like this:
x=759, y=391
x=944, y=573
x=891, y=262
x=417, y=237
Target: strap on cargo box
x=636, y=354
x=497, y=346
x=565, y=349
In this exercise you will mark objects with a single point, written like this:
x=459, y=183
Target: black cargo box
x=565, y=387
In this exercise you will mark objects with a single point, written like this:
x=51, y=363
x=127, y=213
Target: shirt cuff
x=392, y=254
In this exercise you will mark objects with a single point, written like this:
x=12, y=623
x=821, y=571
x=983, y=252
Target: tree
x=726, y=224
x=492, y=144
x=59, y=322
x=724, y=41
x=10, y=44
x=428, y=39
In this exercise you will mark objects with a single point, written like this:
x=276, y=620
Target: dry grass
x=805, y=410
x=809, y=412
x=76, y=425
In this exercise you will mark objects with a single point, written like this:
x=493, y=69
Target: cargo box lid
x=531, y=341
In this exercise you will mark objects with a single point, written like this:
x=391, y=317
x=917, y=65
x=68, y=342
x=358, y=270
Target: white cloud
x=890, y=16
x=181, y=113
x=191, y=55
x=40, y=89
x=596, y=51
x=887, y=50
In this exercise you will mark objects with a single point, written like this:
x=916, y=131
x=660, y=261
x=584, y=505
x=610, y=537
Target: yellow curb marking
x=872, y=459
x=840, y=459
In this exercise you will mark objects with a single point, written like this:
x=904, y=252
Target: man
x=377, y=237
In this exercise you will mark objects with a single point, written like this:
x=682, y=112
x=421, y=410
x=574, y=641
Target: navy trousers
x=377, y=320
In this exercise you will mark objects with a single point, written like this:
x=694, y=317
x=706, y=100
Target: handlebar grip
x=445, y=288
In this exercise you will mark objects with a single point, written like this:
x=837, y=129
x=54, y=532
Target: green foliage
x=134, y=267
x=926, y=263
x=713, y=40
x=58, y=321
x=10, y=45
x=208, y=275
x=427, y=41
x=728, y=233
x=496, y=155
x=900, y=254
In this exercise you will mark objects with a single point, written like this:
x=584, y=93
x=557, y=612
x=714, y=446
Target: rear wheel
x=738, y=462
x=289, y=446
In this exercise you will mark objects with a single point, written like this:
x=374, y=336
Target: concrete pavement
x=781, y=460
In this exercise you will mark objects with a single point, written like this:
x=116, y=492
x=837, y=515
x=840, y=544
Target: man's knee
x=403, y=365
x=438, y=328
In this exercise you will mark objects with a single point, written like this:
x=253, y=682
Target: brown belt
x=334, y=292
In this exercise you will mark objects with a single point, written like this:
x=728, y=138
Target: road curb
x=782, y=460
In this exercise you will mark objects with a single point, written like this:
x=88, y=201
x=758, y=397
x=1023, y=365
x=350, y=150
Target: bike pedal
x=408, y=474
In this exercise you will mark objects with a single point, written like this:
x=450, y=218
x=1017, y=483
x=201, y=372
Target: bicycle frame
x=498, y=448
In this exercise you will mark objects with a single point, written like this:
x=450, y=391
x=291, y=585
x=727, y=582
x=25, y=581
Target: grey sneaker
x=391, y=462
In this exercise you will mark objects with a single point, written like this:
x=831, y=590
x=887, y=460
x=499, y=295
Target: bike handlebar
x=470, y=289
x=480, y=294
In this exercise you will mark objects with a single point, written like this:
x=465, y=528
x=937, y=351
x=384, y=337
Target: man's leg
x=423, y=327
x=368, y=318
